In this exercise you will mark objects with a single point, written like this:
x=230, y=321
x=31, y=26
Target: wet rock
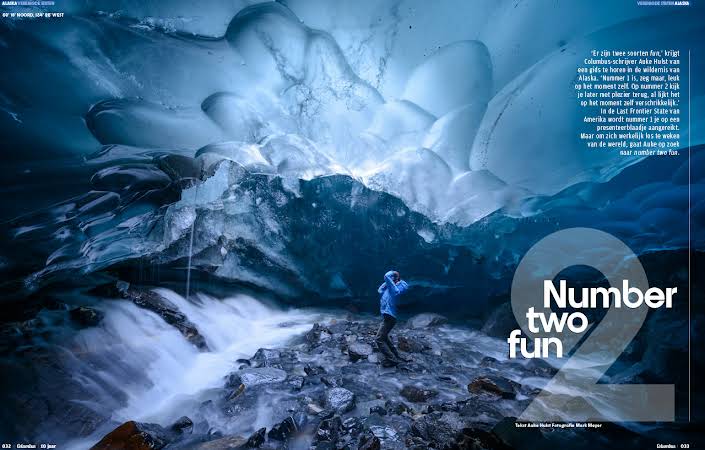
x=369, y=441
x=359, y=350
x=340, y=399
x=431, y=428
x=540, y=368
x=256, y=439
x=154, y=302
x=417, y=394
x=397, y=408
x=223, y=443
x=494, y=385
x=379, y=410
x=476, y=438
x=134, y=436
x=332, y=381
x=426, y=320
x=283, y=430
x=296, y=382
x=478, y=409
x=416, y=443
x=236, y=392
x=261, y=375
x=353, y=425
x=85, y=316
x=314, y=409
x=265, y=357
x=318, y=335
x=384, y=433
x=450, y=406
x=374, y=358
x=410, y=345
x=524, y=438
x=314, y=370
x=328, y=430
x=183, y=425
x=488, y=361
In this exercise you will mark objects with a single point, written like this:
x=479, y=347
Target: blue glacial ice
x=216, y=122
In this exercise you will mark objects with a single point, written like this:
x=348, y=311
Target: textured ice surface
x=142, y=124
x=400, y=124
x=470, y=124
x=517, y=44
x=453, y=134
x=416, y=175
x=454, y=75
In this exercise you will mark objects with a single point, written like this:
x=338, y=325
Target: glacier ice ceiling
x=299, y=148
x=157, y=121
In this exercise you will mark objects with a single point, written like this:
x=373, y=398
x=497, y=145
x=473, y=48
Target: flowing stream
x=135, y=356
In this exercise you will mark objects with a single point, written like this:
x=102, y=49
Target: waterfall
x=140, y=368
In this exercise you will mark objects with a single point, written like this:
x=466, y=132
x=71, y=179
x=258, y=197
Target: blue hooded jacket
x=390, y=292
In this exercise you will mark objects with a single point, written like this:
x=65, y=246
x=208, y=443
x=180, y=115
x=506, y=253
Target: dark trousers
x=383, y=342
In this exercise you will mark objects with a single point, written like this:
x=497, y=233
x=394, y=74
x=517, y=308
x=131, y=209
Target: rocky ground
x=328, y=390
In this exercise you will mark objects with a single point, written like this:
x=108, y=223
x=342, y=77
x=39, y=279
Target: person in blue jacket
x=391, y=289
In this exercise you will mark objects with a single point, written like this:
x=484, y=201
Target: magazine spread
x=352, y=224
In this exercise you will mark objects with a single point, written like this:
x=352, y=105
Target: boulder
x=283, y=430
x=85, y=316
x=426, y=320
x=417, y=394
x=379, y=410
x=369, y=441
x=261, y=375
x=134, y=436
x=359, y=350
x=393, y=407
x=328, y=430
x=493, y=384
x=332, y=381
x=384, y=433
x=353, y=425
x=479, y=409
x=183, y=425
x=340, y=399
x=317, y=335
x=313, y=370
x=265, y=357
x=256, y=439
x=431, y=428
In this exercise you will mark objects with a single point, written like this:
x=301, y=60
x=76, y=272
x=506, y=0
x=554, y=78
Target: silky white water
x=157, y=372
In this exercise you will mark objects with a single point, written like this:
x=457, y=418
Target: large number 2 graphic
x=573, y=394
